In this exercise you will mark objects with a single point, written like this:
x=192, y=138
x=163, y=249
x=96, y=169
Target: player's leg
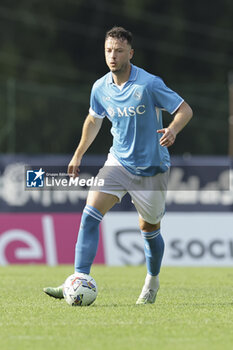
x=98, y=203
x=154, y=249
x=150, y=205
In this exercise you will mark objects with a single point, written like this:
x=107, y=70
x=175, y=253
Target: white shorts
x=148, y=193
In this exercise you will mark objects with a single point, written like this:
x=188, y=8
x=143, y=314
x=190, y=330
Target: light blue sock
x=88, y=239
x=154, y=249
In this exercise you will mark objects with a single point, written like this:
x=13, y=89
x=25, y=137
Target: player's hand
x=168, y=137
x=73, y=167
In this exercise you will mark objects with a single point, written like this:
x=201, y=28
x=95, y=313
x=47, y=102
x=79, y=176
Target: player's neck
x=122, y=77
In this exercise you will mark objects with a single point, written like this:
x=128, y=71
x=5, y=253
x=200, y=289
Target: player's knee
x=147, y=227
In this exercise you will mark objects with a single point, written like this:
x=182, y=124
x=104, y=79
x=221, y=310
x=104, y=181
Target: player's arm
x=181, y=118
x=90, y=130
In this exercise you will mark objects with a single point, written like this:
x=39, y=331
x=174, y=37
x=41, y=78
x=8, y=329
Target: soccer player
x=138, y=161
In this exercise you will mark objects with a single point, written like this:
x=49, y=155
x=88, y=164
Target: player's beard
x=119, y=70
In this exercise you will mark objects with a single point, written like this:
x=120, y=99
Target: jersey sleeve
x=96, y=109
x=164, y=97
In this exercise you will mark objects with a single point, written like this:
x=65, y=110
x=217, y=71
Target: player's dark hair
x=120, y=33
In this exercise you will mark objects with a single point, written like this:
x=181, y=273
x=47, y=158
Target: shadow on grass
x=121, y=305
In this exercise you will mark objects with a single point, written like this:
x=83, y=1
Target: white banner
x=191, y=239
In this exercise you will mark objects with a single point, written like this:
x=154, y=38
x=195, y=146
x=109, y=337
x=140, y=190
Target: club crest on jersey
x=137, y=95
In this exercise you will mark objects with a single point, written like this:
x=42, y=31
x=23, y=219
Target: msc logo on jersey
x=35, y=178
x=130, y=111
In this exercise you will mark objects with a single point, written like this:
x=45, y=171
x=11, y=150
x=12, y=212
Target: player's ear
x=131, y=53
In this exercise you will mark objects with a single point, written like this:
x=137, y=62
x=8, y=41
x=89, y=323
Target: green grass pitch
x=194, y=310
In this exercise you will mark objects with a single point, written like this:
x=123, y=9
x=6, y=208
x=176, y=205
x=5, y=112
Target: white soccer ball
x=80, y=290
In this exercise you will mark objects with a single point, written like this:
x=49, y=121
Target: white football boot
x=149, y=290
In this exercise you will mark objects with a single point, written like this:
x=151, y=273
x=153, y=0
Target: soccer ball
x=80, y=290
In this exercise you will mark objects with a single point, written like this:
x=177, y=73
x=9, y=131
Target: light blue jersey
x=136, y=114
